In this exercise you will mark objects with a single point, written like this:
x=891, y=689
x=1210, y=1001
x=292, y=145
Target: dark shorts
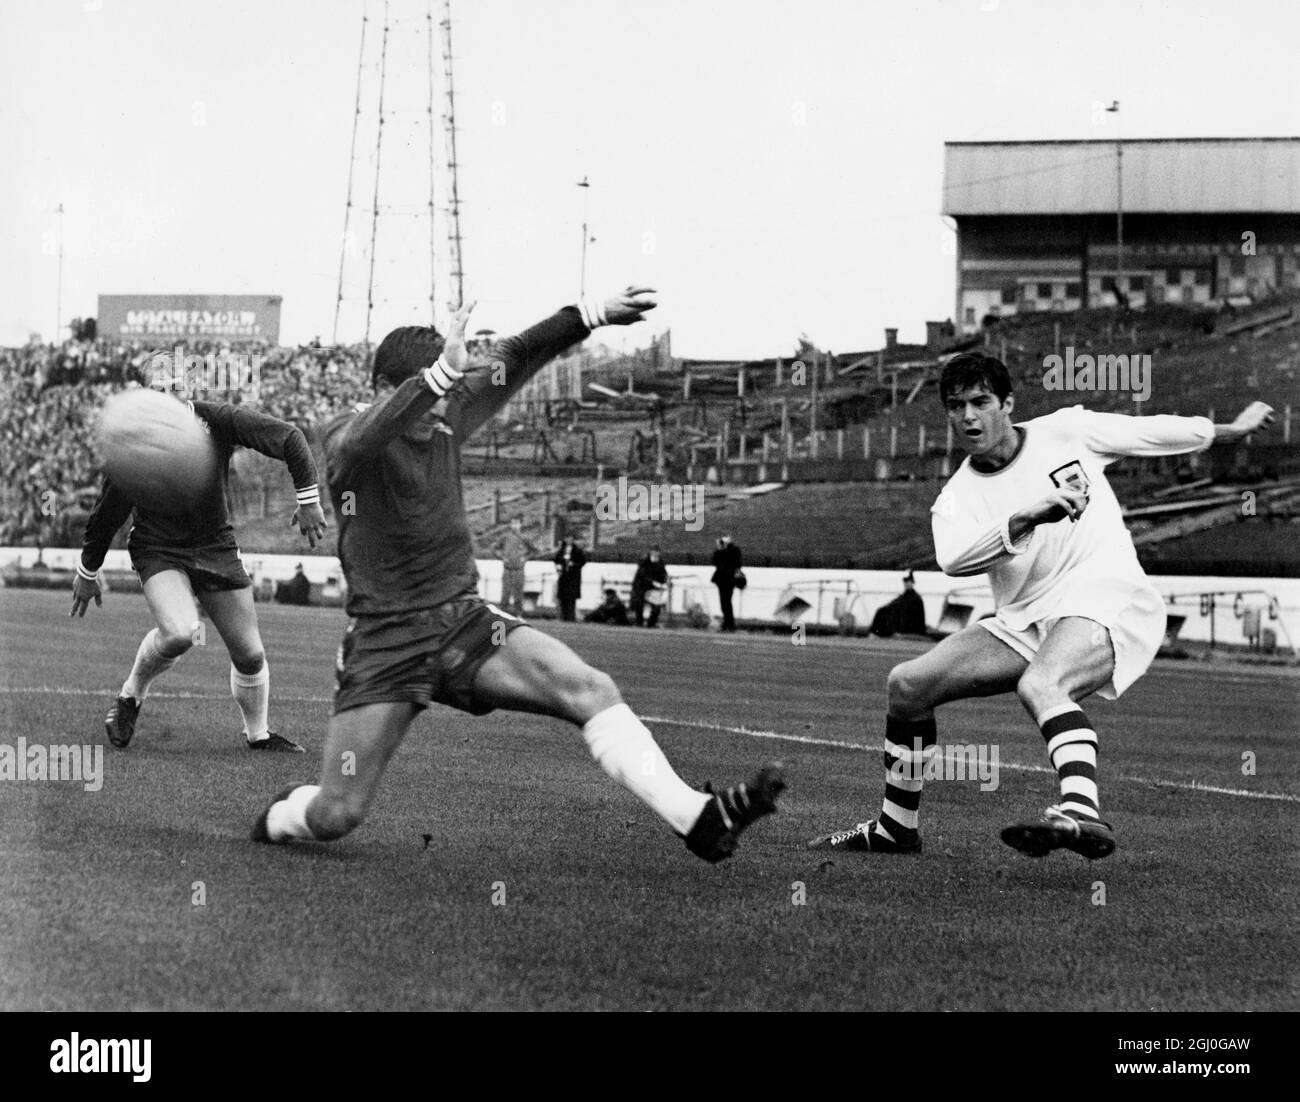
x=420, y=657
x=210, y=568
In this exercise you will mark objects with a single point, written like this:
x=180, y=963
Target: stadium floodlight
x=585, y=184
x=1119, y=201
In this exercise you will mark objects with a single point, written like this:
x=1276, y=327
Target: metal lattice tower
x=383, y=80
x=457, y=275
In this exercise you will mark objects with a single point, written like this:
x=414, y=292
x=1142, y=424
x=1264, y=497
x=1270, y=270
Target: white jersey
x=1070, y=448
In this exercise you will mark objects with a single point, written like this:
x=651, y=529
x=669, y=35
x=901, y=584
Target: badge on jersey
x=1071, y=476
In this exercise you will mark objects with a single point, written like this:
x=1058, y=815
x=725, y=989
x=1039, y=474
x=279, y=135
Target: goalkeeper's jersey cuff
x=87, y=575
x=441, y=377
x=309, y=495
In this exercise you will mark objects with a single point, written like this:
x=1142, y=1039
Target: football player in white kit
x=1075, y=614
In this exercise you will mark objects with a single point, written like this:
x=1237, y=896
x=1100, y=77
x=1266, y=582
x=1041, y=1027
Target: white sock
x=149, y=663
x=627, y=751
x=252, y=691
x=288, y=818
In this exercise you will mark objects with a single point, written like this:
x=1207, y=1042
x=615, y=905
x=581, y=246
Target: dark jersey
x=648, y=574
x=404, y=539
x=205, y=520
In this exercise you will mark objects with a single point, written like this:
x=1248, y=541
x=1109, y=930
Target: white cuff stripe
x=82, y=572
x=309, y=495
x=441, y=377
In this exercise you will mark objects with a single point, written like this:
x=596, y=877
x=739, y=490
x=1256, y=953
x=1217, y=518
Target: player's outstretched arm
x=375, y=427
x=487, y=388
x=1113, y=435
x=109, y=514
x=1256, y=417
x=275, y=439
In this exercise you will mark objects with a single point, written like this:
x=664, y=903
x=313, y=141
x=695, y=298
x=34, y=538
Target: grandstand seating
x=1200, y=362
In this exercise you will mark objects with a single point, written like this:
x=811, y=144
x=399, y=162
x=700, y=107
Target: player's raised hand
x=627, y=307
x=83, y=590
x=1254, y=418
x=310, y=520
x=454, y=350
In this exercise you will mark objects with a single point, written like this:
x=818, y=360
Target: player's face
x=980, y=423
x=422, y=430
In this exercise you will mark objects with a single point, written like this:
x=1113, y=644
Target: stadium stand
x=840, y=509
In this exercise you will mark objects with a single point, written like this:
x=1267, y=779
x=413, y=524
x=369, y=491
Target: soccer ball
x=156, y=451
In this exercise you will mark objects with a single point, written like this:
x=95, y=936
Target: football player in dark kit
x=192, y=555
x=417, y=630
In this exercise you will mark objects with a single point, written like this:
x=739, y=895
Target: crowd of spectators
x=50, y=396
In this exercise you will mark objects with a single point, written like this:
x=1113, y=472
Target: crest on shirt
x=1071, y=476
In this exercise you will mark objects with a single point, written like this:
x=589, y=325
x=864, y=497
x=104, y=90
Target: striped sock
x=909, y=746
x=1072, y=748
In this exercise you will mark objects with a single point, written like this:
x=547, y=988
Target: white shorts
x=1134, y=615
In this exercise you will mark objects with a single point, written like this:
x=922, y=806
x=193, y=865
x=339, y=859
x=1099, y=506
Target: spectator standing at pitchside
x=569, y=561
x=514, y=551
x=649, y=586
x=728, y=576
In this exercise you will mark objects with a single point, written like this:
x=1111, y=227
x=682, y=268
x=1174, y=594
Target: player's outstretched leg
x=1076, y=659
x=235, y=618
x=970, y=663
x=533, y=672
x=357, y=750
x=171, y=601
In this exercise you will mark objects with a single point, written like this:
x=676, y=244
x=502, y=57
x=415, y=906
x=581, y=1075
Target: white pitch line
x=749, y=732
x=51, y=690
x=809, y=740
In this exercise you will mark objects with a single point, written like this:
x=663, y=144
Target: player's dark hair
x=405, y=351
x=972, y=369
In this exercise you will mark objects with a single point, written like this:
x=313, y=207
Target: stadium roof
x=1161, y=176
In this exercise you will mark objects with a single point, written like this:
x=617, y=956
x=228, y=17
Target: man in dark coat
x=296, y=591
x=569, y=561
x=726, y=561
x=650, y=581
x=905, y=613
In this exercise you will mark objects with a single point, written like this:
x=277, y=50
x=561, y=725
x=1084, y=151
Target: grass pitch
x=501, y=869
